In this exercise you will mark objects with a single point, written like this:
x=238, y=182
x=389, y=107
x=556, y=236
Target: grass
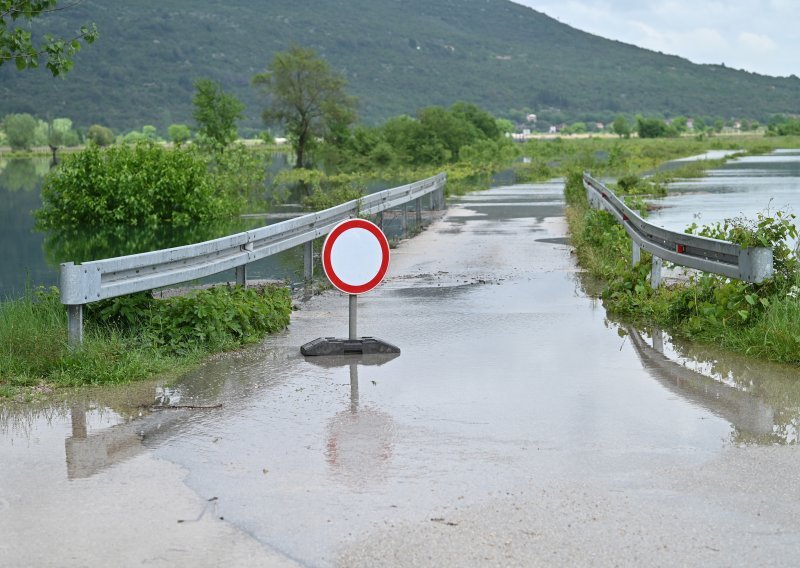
x=33, y=339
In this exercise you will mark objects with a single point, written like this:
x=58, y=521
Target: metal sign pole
x=353, y=317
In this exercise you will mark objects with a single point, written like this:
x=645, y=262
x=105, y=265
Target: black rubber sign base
x=334, y=346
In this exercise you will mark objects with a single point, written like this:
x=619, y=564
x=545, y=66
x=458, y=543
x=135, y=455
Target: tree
x=307, y=97
x=59, y=133
x=680, y=124
x=20, y=130
x=150, y=132
x=621, y=127
x=215, y=113
x=18, y=44
x=100, y=135
x=578, y=128
x=651, y=127
x=505, y=126
x=179, y=133
x=481, y=119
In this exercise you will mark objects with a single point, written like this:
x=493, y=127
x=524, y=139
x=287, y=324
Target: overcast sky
x=762, y=36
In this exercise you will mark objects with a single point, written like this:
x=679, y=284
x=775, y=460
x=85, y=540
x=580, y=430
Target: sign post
x=355, y=258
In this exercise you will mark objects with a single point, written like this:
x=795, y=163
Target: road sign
x=355, y=256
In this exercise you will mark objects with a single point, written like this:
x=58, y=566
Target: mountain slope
x=397, y=55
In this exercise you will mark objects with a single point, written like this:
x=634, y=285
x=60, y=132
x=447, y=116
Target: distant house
x=531, y=118
x=690, y=124
x=553, y=129
x=599, y=126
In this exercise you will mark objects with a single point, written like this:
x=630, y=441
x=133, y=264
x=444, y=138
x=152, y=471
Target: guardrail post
x=380, y=220
x=75, y=325
x=443, y=199
x=655, y=272
x=418, y=207
x=658, y=340
x=241, y=271
x=308, y=262
x=404, y=221
x=755, y=264
x=241, y=275
x=636, y=254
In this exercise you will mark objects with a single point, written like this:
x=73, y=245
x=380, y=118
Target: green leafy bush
x=219, y=317
x=141, y=186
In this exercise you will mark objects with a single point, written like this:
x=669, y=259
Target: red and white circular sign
x=355, y=256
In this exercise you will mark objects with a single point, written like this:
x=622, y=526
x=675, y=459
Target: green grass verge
x=760, y=320
x=129, y=338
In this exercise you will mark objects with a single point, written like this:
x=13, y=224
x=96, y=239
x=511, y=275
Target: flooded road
x=519, y=427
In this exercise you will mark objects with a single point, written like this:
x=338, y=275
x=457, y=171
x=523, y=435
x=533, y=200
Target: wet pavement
x=519, y=427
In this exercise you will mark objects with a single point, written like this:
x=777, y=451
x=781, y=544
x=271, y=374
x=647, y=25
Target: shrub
x=100, y=135
x=141, y=186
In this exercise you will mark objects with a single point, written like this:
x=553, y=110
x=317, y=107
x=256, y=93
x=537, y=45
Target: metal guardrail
x=752, y=264
x=89, y=282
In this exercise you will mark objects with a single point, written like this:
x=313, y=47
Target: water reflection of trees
x=22, y=174
x=83, y=246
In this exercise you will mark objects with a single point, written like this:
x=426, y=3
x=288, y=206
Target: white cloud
x=757, y=42
x=757, y=35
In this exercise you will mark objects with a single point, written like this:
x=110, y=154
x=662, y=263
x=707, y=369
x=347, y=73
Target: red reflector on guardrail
x=680, y=249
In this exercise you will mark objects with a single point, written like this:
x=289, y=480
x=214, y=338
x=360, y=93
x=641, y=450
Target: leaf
x=743, y=314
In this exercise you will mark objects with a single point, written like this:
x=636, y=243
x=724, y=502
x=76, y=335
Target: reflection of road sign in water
x=355, y=256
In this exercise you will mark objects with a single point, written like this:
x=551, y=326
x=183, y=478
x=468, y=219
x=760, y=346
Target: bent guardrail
x=752, y=264
x=89, y=282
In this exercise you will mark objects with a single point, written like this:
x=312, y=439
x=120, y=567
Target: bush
x=100, y=135
x=142, y=186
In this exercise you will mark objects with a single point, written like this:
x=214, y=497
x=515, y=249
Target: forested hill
x=397, y=56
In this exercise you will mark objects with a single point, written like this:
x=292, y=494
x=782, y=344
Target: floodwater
x=741, y=188
x=519, y=426
x=30, y=258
